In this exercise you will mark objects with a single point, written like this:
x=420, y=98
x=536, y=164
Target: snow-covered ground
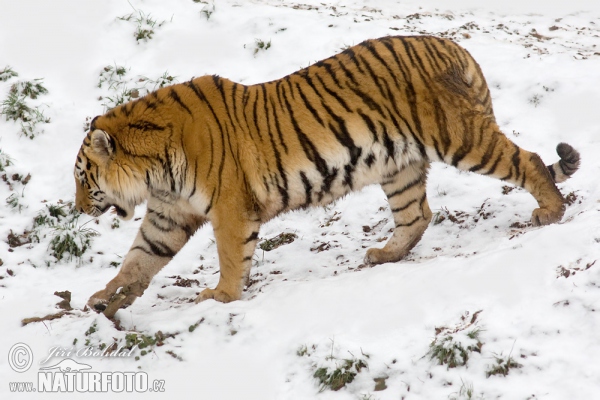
x=480, y=278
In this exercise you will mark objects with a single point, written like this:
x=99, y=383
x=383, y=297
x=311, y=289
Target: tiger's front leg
x=163, y=233
x=236, y=233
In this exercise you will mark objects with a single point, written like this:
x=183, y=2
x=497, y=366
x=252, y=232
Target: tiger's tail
x=567, y=165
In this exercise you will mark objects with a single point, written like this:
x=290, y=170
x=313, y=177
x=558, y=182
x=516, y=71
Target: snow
x=544, y=92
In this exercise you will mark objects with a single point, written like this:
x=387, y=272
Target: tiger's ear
x=102, y=144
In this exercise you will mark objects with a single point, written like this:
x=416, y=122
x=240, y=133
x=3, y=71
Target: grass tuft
x=31, y=89
x=14, y=202
x=5, y=161
x=451, y=351
x=15, y=106
x=502, y=366
x=69, y=238
x=466, y=392
x=261, y=45
x=337, y=378
x=7, y=73
x=122, y=89
x=277, y=241
x=144, y=23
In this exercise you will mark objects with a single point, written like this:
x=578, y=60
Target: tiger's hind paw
x=544, y=216
x=380, y=256
x=216, y=294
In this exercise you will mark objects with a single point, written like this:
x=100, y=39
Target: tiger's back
x=237, y=155
x=350, y=120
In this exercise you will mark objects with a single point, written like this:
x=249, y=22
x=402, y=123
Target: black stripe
x=347, y=72
x=368, y=100
x=255, y=115
x=489, y=152
x=387, y=142
x=146, y=125
x=492, y=170
x=442, y=123
x=142, y=249
x=409, y=89
x=374, y=77
x=468, y=143
x=277, y=125
x=334, y=94
x=251, y=238
x=516, y=161
x=331, y=73
x=373, y=50
x=161, y=228
x=307, y=189
x=234, y=102
x=552, y=172
x=437, y=148
x=410, y=203
x=307, y=146
x=167, y=168
x=435, y=55
x=327, y=182
x=283, y=190
x=158, y=248
x=370, y=125
x=370, y=159
x=406, y=224
x=412, y=184
x=309, y=106
x=353, y=57
x=210, y=204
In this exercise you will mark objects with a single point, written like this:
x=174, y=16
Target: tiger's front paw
x=109, y=304
x=99, y=300
x=544, y=216
x=218, y=295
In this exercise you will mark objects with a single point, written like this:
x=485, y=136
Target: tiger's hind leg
x=406, y=193
x=497, y=156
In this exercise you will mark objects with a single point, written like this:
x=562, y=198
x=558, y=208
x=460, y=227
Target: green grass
x=14, y=202
x=123, y=88
x=5, y=161
x=261, y=45
x=466, y=392
x=16, y=108
x=69, y=239
x=337, y=378
x=502, y=366
x=32, y=89
x=145, y=25
x=7, y=73
x=453, y=353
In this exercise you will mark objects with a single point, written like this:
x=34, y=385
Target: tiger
x=213, y=150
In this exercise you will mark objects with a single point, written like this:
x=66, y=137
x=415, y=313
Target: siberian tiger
x=214, y=150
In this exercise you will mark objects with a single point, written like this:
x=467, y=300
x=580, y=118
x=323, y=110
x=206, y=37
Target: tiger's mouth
x=120, y=212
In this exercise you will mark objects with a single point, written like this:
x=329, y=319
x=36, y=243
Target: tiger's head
x=104, y=178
